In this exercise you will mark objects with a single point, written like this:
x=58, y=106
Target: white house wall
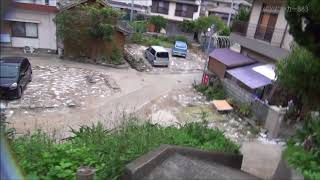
x=46, y=29
x=171, y=13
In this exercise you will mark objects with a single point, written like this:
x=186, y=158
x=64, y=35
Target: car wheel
x=19, y=93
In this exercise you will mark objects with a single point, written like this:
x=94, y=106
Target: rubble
x=61, y=86
x=134, y=54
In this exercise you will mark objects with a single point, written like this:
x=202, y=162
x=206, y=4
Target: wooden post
x=85, y=173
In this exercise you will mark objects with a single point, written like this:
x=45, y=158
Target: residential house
x=223, y=8
x=265, y=37
x=139, y=6
x=176, y=10
x=30, y=23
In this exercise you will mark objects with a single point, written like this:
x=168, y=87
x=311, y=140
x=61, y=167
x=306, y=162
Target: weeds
x=303, y=150
x=109, y=151
x=211, y=92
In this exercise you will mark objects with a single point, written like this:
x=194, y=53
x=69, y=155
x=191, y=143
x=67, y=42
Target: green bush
x=211, y=92
x=117, y=56
x=152, y=42
x=303, y=150
x=139, y=26
x=187, y=26
x=225, y=31
x=137, y=38
x=158, y=21
x=245, y=109
x=243, y=15
x=108, y=151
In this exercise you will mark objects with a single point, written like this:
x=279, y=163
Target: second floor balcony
x=39, y=2
x=271, y=35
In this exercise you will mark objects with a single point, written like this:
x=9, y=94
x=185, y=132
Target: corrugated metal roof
x=249, y=77
x=230, y=58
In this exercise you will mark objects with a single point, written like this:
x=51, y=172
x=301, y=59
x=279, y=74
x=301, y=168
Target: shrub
x=245, y=109
x=117, y=56
x=243, y=15
x=152, y=42
x=109, y=151
x=139, y=26
x=225, y=31
x=187, y=26
x=137, y=38
x=158, y=21
x=211, y=92
x=303, y=150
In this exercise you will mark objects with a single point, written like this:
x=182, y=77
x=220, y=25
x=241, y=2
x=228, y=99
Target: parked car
x=157, y=56
x=15, y=74
x=180, y=49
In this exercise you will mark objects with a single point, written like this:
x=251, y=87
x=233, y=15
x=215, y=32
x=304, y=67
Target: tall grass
x=41, y=157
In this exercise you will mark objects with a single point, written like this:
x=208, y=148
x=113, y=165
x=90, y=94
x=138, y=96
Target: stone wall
x=271, y=117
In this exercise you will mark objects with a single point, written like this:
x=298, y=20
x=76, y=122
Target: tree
x=243, y=15
x=203, y=23
x=158, y=21
x=299, y=73
x=85, y=24
x=304, y=23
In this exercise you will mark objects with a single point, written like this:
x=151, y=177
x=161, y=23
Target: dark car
x=15, y=74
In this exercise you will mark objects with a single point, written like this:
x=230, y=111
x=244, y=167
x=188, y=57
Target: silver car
x=157, y=56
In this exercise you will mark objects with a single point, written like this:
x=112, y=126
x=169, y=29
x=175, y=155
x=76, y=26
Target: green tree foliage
x=187, y=26
x=299, y=73
x=297, y=12
x=303, y=150
x=203, y=23
x=158, y=21
x=92, y=21
x=243, y=15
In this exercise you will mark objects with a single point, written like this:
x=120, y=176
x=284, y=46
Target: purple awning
x=249, y=77
x=230, y=58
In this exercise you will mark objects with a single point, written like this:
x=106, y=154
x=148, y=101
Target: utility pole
x=131, y=13
x=230, y=13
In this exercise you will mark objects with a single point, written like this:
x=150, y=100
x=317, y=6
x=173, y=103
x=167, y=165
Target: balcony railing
x=39, y=2
x=256, y=31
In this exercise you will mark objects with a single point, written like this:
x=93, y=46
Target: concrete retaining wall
x=269, y=116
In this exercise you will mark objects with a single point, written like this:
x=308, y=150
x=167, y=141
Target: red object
x=205, y=79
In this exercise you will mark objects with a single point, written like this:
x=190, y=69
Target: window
x=153, y=52
x=162, y=55
x=185, y=10
x=161, y=7
x=24, y=29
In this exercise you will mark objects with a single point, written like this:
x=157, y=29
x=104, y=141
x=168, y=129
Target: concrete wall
x=46, y=29
x=171, y=13
x=270, y=117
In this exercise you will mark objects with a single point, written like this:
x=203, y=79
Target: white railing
x=41, y=2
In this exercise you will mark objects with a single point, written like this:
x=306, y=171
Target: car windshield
x=8, y=71
x=162, y=54
x=181, y=46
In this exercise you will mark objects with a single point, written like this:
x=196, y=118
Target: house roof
x=249, y=77
x=230, y=58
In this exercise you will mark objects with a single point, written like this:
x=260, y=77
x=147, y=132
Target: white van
x=157, y=56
